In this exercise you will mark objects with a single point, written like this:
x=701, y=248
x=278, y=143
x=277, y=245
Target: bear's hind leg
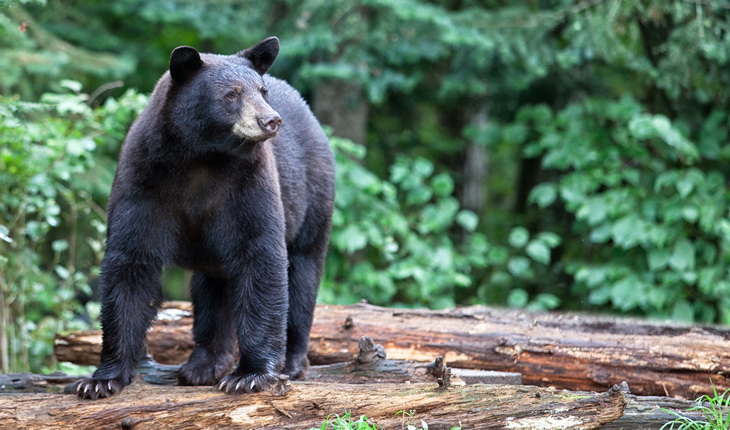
x=212, y=332
x=306, y=262
x=303, y=284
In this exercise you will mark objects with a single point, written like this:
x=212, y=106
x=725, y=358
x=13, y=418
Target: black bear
x=227, y=173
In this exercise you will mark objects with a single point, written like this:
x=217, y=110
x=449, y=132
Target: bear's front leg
x=131, y=294
x=260, y=305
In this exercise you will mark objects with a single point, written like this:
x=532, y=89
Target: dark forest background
x=543, y=154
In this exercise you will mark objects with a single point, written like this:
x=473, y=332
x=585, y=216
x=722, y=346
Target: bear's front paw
x=247, y=383
x=92, y=388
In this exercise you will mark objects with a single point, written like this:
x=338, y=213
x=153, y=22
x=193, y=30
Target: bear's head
x=219, y=102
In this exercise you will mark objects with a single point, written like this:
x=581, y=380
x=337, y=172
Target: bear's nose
x=270, y=123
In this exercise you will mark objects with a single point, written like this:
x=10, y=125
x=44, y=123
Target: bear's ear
x=184, y=61
x=262, y=55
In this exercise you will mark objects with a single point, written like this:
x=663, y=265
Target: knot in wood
x=130, y=422
x=440, y=371
x=436, y=368
x=369, y=351
x=445, y=381
x=282, y=386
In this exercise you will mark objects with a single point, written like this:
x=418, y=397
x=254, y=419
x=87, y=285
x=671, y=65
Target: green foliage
x=33, y=58
x=407, y=241
x=650, y=200
x=52, y=223
x=346, y=422
x=716, y=410
x=603, y=126
x=390, y=239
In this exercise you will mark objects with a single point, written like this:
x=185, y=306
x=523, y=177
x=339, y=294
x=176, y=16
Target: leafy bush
x=53, y=184
x=406, y=241
x=648, y=201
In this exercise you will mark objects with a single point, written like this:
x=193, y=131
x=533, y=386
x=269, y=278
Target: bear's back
x=303, y=155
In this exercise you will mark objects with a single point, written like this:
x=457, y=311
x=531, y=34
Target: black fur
x=247, y=207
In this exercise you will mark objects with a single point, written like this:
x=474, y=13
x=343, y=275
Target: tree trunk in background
x=4, y=352
x=344, y=107
x=476, y=168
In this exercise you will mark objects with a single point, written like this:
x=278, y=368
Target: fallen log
x=577, y=352
x=640, y=412
x=32, y=383
x=307, y=404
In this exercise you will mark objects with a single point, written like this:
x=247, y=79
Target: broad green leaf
x=685, y=185
x=62, y=272
x=658, y=259
x=442, y=184
x=543, y=195
x=59, y=245
x=690, y=214
x=538, y=251
x=594, y=211
x=518, y=237
x=519, y=266
x=467, y=219
x=629, y=231
x=627, y=293
x=683, y=311
x=351, y=239
x=4, y=234
x=550, y=239
x=518, y=298
x=683, y=256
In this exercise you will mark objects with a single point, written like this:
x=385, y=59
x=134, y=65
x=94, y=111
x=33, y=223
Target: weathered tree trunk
x=31, y=383
x=578, y=352
x=476, y=167
x=343, y=106
x=307, y=404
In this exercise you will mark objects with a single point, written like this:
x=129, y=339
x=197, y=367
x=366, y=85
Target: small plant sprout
x=716, y=410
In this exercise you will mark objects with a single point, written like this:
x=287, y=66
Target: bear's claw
x=248, y=383
x=91, y=388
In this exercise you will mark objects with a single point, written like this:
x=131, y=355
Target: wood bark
x=307, y=404
x=640, y=412
x=476, y=167
x=577, y=352
x=343, y=106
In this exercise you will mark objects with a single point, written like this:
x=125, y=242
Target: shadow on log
x=577, y=352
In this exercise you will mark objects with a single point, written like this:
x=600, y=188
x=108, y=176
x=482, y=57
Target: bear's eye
x=264, y=91
x=232, y=96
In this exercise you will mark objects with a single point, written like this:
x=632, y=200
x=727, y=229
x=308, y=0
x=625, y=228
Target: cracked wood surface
x=144, y=406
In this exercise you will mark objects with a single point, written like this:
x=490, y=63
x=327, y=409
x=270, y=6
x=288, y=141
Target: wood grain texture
x=143, y=406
